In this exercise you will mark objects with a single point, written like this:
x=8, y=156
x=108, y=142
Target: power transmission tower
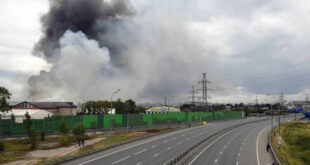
x=204, y=89
x=193, y=95
x=256, y=101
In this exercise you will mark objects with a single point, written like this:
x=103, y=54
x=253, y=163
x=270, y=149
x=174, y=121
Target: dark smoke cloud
x=96, y=47
x=78, y=15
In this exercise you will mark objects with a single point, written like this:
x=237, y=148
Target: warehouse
x=56, y=108
x=19, y=114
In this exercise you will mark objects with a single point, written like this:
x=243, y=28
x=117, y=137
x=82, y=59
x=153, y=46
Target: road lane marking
x=187, y=139
x=121, y=160
x=139, y=163
x=140, y=152
x=195, y=136
x=221, y=152
x=239, y=154
x=153, y=146
x=150, y=140
x=165, y=141
x=156, y=154
x=237, y=163
x=168, y=148
x=257, y=156
x=179, y=143
x=215, y=160
x=211, y=144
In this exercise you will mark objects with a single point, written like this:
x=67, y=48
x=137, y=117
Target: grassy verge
x=14, y=149
x=295, y=147
x=116, y=138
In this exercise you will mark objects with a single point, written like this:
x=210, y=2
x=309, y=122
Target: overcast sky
x=250, y=48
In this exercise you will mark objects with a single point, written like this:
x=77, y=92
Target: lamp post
x=115, y=92
x=271, y=110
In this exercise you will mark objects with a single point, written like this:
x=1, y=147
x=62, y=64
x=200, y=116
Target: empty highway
x=162, y=148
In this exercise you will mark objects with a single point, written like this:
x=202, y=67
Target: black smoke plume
x=79, y=15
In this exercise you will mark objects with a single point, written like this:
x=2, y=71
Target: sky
x=247, y=48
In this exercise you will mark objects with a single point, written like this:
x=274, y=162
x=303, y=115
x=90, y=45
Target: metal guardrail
x=274, y=155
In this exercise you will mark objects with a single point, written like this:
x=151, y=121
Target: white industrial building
x=163, y=109
x=20, y=114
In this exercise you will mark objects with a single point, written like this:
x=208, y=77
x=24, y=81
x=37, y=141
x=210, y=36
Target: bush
x=79, y=131
x=1, y=146
x=63, y=127
x=64, y=140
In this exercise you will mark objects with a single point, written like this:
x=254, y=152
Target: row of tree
x=103, y=107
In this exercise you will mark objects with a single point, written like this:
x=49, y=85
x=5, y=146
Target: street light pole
x=271, y=111
x=115, y=92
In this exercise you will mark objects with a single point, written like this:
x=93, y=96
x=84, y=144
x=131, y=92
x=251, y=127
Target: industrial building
x=56, y=108
x=163, y=109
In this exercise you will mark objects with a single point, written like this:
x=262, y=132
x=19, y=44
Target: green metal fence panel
x=51, y=124
x=90, y=121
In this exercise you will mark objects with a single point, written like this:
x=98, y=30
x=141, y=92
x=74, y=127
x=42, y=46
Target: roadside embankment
x=294, y=145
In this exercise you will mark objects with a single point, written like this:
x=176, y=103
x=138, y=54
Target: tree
x=28, y=124
x=33, y=138
x=30, y=130
x=13, y=118
x=79, y=131
x=130, y=106
x=140, y=109
x=63, y=127
x=4, y=97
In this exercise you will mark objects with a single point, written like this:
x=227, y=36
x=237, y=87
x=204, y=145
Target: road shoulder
x=264, y=157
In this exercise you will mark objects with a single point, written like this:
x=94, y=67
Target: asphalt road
x=162, y=148
x=238, y=146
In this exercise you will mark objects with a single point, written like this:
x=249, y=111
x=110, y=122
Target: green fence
x=102, y=121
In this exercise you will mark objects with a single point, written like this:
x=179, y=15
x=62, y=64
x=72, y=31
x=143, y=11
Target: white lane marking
x=179, y=143
x=183, y=135
x=139, y=163
x=237, y=163
x=156, y=154
x=153, y=146
x=257, y=156
x=121, y=160
x=240, y=148
x=165, y=141
x=215, y=160
x=140, y=152
x=225, y=146
x=239, y=154
x=210, y=145
x=221, y=152
x=153, y=139
x=168, y=148
x=195, y=136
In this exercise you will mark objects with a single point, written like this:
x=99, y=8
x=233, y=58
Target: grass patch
x=14, y=149
x=295, y=148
